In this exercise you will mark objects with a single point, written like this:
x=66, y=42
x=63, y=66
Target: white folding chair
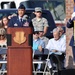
x=45, y=71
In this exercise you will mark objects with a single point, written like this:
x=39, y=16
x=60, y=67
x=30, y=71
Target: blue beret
x=21, y=7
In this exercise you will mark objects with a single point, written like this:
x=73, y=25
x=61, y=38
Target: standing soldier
x=40, y=23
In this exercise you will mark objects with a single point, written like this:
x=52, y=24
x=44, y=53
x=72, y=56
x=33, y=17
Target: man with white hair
x=57, y=47
x=61, y=31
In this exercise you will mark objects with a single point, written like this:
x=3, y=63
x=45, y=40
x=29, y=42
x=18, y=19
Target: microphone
x=25, y=17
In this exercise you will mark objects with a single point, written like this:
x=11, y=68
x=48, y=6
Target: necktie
x=21, y=21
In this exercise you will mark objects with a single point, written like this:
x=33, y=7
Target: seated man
x=38, y=46
x=57, y=45
x=44, y=38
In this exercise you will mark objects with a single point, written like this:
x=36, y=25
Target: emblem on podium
x=19, y=37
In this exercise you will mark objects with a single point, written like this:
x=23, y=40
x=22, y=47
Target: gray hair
x=55, y=30
x=60, y=28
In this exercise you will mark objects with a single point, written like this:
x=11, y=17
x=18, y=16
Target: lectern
x=19, y=53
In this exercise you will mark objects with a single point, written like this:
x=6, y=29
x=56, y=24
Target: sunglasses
x=1, y=35
x=38, y=12
x=36, y=33
x=3, y=46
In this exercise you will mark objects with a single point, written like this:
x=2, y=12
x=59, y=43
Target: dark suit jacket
x=70, y=24
x=15, y=22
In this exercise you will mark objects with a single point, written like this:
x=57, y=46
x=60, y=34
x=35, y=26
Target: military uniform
x=39, y=24
x=18, y=21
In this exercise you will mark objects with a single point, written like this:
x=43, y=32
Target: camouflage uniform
x=39, y=24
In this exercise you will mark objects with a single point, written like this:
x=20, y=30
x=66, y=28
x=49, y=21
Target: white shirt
x=20, y=18
x=63, y=36
x=59, y=45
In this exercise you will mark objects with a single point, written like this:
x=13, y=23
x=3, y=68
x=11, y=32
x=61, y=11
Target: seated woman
x=3, y=40
x=3, y=44
x=5, y=21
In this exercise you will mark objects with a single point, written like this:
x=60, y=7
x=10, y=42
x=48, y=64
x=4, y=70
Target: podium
x=19, y=53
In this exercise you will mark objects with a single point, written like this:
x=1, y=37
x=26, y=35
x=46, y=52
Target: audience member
x=5, y=21
x=39, y=22
x=57, y=45
x=2, y=37
x=42, y=37
x=3, y=44
x=38, y=46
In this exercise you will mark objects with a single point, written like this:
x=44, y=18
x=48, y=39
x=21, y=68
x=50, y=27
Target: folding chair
x=45, y=71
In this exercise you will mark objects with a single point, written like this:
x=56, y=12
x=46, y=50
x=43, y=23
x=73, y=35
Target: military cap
x=21, y=7
x=38, y=9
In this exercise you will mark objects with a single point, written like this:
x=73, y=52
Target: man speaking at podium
x=20, y=20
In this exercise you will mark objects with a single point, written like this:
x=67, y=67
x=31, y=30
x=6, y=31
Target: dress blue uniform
x=18, y=21
x=70, y=24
